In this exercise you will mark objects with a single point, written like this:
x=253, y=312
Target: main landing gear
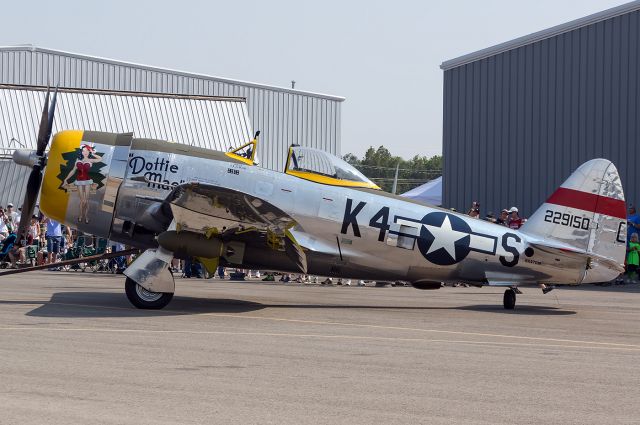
x=149, y=283
x=145, y=299
x=509, y=299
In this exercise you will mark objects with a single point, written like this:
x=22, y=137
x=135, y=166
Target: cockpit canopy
x=322, y=167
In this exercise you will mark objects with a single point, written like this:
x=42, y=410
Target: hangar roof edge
x=32, y=48
x=540, y=35
x=109, y=92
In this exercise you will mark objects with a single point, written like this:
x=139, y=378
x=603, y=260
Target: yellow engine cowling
x=82, y=178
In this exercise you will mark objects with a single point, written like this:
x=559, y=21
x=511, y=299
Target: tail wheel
x=509, y=299
x=145, y=299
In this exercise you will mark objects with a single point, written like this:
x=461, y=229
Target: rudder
x=587, y=213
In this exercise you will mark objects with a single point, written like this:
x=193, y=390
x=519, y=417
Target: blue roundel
x=444, y=238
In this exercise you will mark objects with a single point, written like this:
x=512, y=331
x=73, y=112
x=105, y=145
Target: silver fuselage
x=350, y=232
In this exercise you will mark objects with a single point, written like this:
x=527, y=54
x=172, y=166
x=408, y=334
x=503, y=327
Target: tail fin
x=586, y=213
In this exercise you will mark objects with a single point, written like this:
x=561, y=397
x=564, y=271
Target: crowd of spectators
x=48, y=241
x=508, y=217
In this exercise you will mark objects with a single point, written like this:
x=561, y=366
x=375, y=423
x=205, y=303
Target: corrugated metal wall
x=518, y=123
x=208, y=122
x=283, y=116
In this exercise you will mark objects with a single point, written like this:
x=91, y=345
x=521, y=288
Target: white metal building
x=204, y=121
x=283, y=115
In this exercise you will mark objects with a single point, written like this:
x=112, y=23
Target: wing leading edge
x=209, y=209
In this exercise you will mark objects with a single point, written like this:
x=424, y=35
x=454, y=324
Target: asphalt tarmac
x=73, y=351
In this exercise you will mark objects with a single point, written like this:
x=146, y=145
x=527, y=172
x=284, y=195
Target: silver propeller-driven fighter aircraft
x=319, y=216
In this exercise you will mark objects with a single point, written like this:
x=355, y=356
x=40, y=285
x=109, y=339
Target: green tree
x=379, y=165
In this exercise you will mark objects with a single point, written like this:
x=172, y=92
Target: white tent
x=429, y=193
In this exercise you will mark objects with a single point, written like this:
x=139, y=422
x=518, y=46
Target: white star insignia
x=444, y=237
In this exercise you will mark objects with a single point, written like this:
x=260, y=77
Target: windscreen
x=323, y=164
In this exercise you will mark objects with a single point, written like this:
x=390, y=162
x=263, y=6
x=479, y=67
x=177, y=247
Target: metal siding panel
x=286, y=119
x=575, y=154
x=447, y=99
x=527, y=140
x=449, y=183
x=458, y=163
x=622, y=89
x=505, y=138
x=536, y=144
x=614, y=111
x=500, y=172
x=458, y=134
x=607, y=83
x=565, y=105
x=556, y=103
x=492, y=182
x=339, y=128
x=630, y=177
x=511, y=125
x=599, y=88
x=517, y=145
x=213, y=120
x=474, y=139
x=464, y=159
x=483, y=143
x=544, y=123
x=586, y=140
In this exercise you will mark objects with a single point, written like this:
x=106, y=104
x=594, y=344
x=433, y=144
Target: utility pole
x=395, y=180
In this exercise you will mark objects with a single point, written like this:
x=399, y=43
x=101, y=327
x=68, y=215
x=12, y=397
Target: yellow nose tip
x=54, y=198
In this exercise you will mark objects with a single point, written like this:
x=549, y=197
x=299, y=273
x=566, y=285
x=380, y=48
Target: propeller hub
x=27, y=157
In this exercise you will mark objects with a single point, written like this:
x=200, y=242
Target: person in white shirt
x=4, y=230
x=15, y=216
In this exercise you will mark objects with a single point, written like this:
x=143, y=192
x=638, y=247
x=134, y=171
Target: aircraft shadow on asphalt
x=93, y=304
x=532, y=310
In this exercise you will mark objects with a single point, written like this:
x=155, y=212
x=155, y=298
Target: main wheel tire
x=144, y=299
x=509, y=299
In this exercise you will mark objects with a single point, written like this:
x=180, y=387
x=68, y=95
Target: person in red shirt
x=515, y=222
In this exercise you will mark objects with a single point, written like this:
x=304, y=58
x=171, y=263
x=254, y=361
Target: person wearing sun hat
x=515, y=222
x=503, y=218
x=13, y=215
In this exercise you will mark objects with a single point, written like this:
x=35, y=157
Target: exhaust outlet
x=190, y=244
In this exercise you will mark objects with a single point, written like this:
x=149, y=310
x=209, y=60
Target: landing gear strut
x=509, y=299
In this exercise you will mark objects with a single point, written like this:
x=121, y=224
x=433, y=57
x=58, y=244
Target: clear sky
x=384, y=57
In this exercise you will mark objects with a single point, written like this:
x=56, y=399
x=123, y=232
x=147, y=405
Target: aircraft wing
x=209, y=209
x=232, y=215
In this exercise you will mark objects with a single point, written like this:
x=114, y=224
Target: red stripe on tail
x=589, y=202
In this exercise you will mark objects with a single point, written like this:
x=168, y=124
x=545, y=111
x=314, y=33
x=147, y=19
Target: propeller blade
x=28, y=205
x=52, y=111
x=35, y=178
x=42, y=141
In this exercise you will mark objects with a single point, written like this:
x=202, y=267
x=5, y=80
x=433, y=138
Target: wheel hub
x=147, y=295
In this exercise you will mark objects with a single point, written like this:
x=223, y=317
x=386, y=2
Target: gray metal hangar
x=519, y=117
